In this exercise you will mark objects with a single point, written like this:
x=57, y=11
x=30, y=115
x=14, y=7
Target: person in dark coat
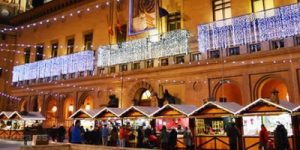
x=61, y=131
x=140, y=137
x=53, y=133
x=164, y=138
x=76, y=133
x=114, y=137
x=281, y=138
x=233, y=134
x=70, y=133
x=173, y=139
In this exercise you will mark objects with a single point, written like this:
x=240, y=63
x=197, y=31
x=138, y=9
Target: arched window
x=146, y=95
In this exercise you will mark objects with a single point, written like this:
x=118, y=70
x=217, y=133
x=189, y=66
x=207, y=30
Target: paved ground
x=10, y=145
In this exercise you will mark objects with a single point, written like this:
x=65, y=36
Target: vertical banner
x=142, y=16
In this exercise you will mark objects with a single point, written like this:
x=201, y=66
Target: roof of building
x=91, y=113
x=116, y=111
x=184, y=109
x=147, y=111
x=230, y=107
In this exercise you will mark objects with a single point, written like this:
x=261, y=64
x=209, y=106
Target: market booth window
x=211, y=121
x=109, y=116
x=271, y=113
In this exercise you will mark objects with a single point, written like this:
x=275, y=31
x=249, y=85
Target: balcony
x=273, y=24
x=55, y=67
x=169, y=44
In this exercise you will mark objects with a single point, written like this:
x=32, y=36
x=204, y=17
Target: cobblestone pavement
x=10, y=145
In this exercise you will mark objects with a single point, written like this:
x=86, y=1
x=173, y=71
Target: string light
x=257, y=27
x=172, y=43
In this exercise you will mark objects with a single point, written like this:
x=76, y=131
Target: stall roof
x=116, y=111
x=145, y=110
x=230, y=107
x=7, y=114
x=284, y=105
x=91, y=113
x=33, y=116
x=184, y=109
x=294, y=110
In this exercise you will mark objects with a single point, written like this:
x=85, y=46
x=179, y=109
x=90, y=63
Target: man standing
x=76, y=133
x=263, y=138
x=105, y=134
x=233, y=134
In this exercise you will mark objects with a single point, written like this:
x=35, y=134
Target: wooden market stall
x=174, y=116
x=5, y=124
x=211, y=120
x=296, y=124
x=267, y=112
x=138, y=116
x=17, y=123
x=86, y=117
x=110, y=116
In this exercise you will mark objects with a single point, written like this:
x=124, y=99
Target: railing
x=262, y=26
x=68, y=64
x=171, y=43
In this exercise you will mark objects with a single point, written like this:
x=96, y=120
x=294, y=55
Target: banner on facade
x=142, y=16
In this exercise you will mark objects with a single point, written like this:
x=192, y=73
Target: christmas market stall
x=296, y=124
x=138, y=116
x=16, y=124
x=109, y=116
x=174, y=116
x=86, y=117
x=211, y=121
x=270, y=113
x=5, y=124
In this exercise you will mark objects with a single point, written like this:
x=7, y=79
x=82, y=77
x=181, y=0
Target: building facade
x=191, y=71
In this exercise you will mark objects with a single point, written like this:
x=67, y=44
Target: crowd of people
x=127, y=136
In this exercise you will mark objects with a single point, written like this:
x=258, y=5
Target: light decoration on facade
x=257, y=27
x=10, y=96
x=73, y=63
x=171, y=43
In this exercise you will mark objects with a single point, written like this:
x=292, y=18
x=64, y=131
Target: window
x=196, y=57
x=277, y=44
x=39, y=52
x=174, y=21
x=70, y=45
x=27, y=55
x=123, y=67
x=179, y=59
x=149, y=63
x=112, y=69
x=260, y=5
x=254, y=48
x=164, y=62
x=136, y=66
x=233, y=51
x=121, y=33
x=297, y=40
x=214, y=54
x=54, y=48
x=221, y=9
x=88, y=41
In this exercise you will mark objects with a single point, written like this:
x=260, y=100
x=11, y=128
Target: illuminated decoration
x=171, y=43
x=73, y=63
x=9, y=96
x=257, y=27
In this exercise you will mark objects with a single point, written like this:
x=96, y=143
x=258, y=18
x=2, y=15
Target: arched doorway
x=86, y=101
x=267, y=86
x=69, y=109
x=24, y=105
x=51, y=112
x=35, y=104
x=228, y=91
x=142, y=97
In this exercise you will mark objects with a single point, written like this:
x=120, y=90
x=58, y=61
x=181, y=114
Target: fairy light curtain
x=171, y=43
x=257, y=27
x=78, y=62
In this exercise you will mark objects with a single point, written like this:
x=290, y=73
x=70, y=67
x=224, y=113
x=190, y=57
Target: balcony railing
x=262, y=26
x=171, y=43
x=68, y=64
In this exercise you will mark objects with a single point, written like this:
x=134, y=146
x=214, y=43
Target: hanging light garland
x=9, y=96
x=257, y=27
x=171, y=43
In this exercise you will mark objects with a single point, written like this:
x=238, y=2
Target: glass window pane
x=269, y=4
x=218, y=2
x=258, y=5
x=227, y=13
x=219, y=15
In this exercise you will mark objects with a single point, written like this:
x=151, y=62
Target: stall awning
x=174, y=110
x=5, y=114
x=33, y=116
x=84, y=114
x=296, y=111
x=139, y=111
x=217, y=109
x=265, y=106
x=15, y=116
x=109, y=112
